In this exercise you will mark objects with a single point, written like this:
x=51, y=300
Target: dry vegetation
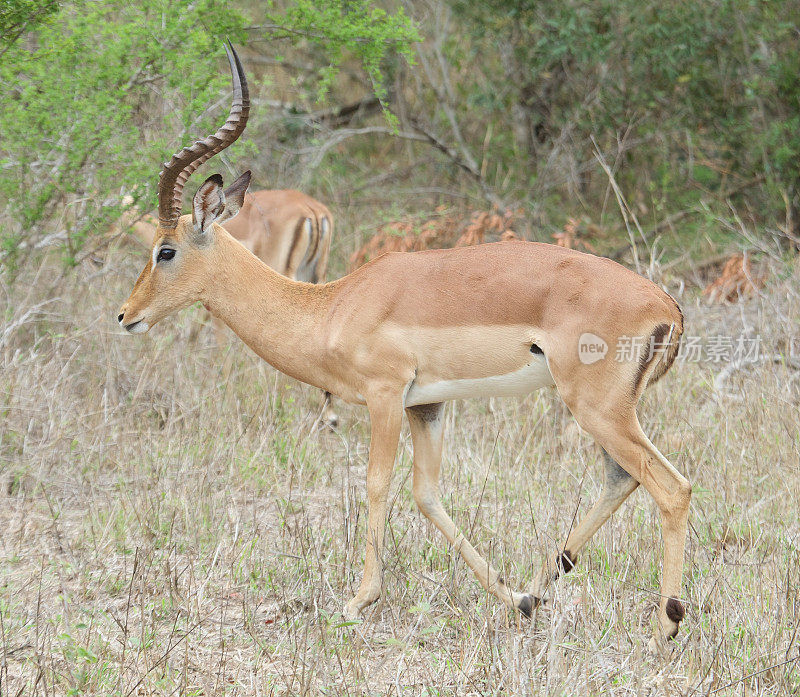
x=736, y=280
x=168, y=532
x=446, y=228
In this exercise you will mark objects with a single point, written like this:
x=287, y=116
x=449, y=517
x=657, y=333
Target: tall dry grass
x=166, y=531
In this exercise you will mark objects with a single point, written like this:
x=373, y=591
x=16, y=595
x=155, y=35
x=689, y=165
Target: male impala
x=410, y=331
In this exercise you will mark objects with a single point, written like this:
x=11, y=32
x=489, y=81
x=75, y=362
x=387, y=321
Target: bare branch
x=468, y=166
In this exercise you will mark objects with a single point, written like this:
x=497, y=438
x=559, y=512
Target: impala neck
x=276, y=317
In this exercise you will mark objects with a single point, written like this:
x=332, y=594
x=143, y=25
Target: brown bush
x=444, y=229
x=575, y=234
x=737, y=280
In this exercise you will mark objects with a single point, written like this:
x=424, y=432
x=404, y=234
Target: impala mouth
x=137, y=327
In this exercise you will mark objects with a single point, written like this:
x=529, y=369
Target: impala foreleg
x=329, y=416
x=386, y=416
x=426, y=436
x=617, y=486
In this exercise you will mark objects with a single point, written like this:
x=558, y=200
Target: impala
x=409, y=331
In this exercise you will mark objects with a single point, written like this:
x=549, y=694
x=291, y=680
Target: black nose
x=120, y=316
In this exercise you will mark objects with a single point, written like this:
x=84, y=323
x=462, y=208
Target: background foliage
x=402, y=107
x=96, y=94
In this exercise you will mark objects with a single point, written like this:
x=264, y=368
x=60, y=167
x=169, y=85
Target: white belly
x=532, y=377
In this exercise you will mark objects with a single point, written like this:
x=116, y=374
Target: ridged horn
x=176, y=172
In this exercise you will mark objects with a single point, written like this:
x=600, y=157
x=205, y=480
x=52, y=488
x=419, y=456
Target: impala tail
x=660, y=351
x=316, y=233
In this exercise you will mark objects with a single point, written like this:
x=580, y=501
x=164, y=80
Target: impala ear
x=234, y=197
x=208, y=204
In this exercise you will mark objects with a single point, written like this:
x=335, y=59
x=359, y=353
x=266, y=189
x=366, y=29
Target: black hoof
x=675, y=613
x=566, y=563
x=328, y=423
x=527, y=605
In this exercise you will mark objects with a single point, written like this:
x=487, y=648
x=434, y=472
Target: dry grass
x=167, y=532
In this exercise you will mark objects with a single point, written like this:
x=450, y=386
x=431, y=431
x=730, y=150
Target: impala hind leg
x=426, y=435
x=622, y=437
x=617, y=486
x=386, y=418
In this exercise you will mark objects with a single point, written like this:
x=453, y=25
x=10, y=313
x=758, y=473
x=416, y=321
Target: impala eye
x=165, y=254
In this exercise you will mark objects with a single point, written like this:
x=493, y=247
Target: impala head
x=183, y=253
